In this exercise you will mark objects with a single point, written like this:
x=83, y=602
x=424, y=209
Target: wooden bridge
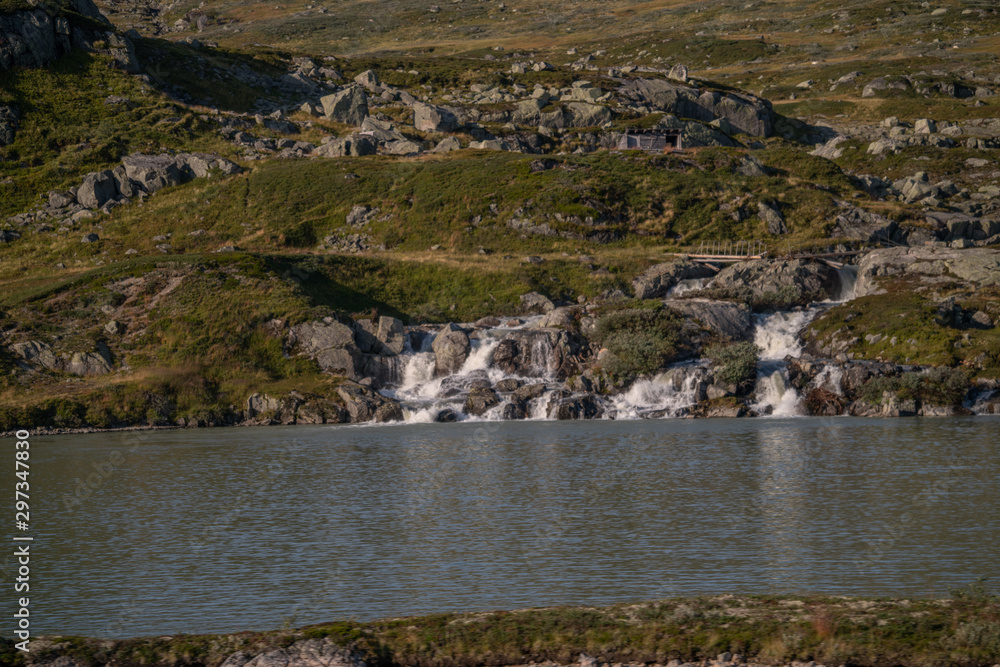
x=714, y=253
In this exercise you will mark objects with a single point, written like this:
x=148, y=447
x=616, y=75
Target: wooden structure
x=652, y=141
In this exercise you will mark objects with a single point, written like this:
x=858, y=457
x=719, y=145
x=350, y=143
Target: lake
x=195, y=531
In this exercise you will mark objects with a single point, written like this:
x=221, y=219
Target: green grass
x=67, y=129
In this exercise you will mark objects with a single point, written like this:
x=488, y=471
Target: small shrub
x=936, y=386
x=735, y=363
x=639, y=340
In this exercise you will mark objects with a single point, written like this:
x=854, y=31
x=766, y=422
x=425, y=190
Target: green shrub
x=735, y=363
x=935, y=386
x=639, y=341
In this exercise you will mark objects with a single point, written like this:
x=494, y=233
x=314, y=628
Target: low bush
x=639, y=340
x=935, y=386
x=735, y=363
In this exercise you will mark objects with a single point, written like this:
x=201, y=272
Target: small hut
x=653, y=141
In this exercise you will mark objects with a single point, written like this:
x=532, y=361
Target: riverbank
x=718, y=630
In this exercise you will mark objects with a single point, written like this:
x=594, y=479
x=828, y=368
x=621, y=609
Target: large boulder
x=331, y=344
x=349, y=106
x=587, y=406
x=428, y=118
x=657, y=280
x=977, y=267
x=355, y=145
x=364, y=404
x=730, y=320
x=481, y=400
x=90, y=363
x=860, y=225
x=451, y=348
x=391, y=334
x=97, y=189
x=768, y=276
x=37, y=353
x=152, y=172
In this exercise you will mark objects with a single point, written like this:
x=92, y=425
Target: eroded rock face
x=980, y=267
x=331, y=344
x=764, y=276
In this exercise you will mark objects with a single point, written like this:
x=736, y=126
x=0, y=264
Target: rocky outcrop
x=978, y=267
x=138, y=176
x=727, y=319
x=744, y=113
x=34, y=38
x=349, y=106
x=657, y=280
x=35, y=354
x=352, y=145
x=304, y=653
x=364, y=404
x=763, y=277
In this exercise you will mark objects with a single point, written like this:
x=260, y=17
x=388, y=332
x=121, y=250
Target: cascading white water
x=829, y=379
x=777, y=334
x=687, y=285
x=847, y=276
x=656, y=397
x=776, y=396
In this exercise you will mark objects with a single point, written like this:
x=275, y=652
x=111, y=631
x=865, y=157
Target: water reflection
x=236, y=529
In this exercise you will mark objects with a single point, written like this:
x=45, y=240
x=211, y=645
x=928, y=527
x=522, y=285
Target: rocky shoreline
x=716, y=631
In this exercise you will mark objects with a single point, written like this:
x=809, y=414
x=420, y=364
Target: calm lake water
x=247, y=529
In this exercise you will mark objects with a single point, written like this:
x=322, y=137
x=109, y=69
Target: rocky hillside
x=442, y=166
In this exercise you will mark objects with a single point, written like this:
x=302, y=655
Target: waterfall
x=775, y=396
x=777, y=334
x=687, y=285
x=847, y=276
x=658, y=397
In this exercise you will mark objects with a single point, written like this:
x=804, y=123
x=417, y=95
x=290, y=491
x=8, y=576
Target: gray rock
x=304, y=653
x=349, y=106
x=451, y=348
x=38, y=353
x=745, y=113
x=152, y=172
x=365, y=404
x=61, y=199
x=727, y=319
x=428, y=118
x=580, y=114
x=258, y=405
x=657, y=280
x=97, y=189
x=361, y=215
x=764, y=276
x=90, y=363
x=369, y=79
x=447, y=145
x=587, y=406
x=533, y=302
x=355, y=145
x=678, y=73
x=977, y=267
x=480, y=400
x=924, y=126
x=90, y=238
x=772, y=217
x=331, y=344
x=391, y=334
x=831, y=150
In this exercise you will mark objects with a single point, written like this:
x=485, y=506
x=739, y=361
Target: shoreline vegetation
x=963, y=631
